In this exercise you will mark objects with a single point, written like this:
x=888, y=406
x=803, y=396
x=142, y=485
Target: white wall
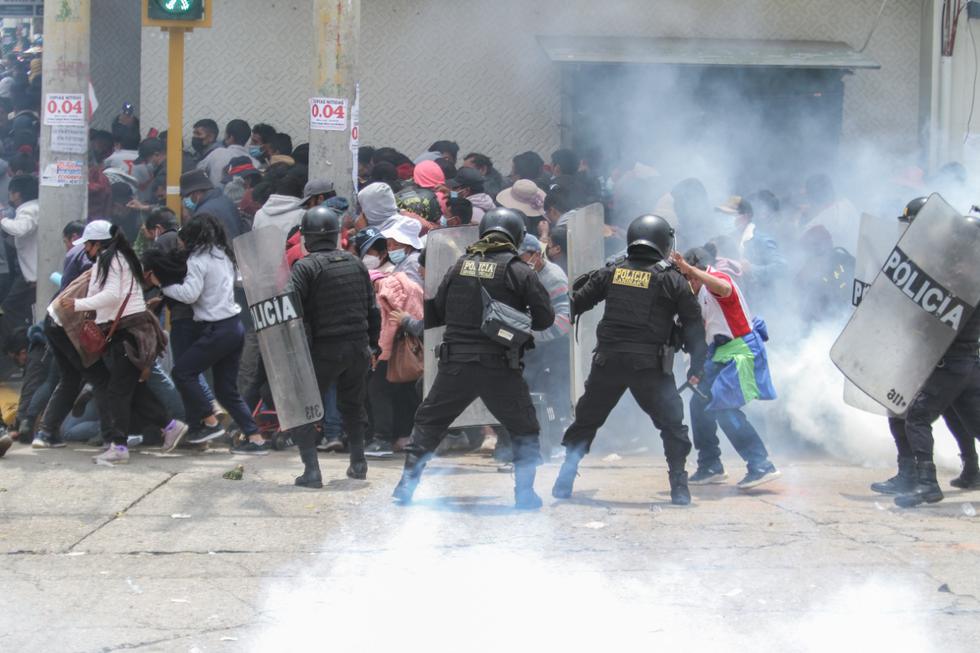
x=471, y=70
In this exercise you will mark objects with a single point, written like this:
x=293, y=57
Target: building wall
x=115, y=57
x=473, y=71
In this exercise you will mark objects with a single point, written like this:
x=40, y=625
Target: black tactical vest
x=639, y=308
x=338, y=307
x=464, y=301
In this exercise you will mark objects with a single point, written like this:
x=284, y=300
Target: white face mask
x=371, y=262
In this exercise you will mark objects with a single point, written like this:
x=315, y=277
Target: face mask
x=189, y=203
x=197, y=144
x=397, y=256
x=371, y=262
x=443, y=222
x=255, y=152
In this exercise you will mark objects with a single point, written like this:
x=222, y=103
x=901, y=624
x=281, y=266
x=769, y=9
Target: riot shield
x=278, y=320
x=443, y=247
x=586, y=252
x=876, y=239
x=928, y=287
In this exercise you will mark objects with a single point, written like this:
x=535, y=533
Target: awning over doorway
x=705, y=52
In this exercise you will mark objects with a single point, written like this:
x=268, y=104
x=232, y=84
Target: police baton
x=693, y=388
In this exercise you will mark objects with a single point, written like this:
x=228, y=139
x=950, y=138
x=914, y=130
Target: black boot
x=680, y=495
x=311, y=473
x=525, y=498
x=357, y=470
x=411, y=475
x=926, y=488
x=901, y=482
x=969, y=478
x=565, y=482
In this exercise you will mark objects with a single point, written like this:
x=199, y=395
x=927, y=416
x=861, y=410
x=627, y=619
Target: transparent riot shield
x=443, y=247
x=278, y=321
x=876, y=240
x=586, y=252
x=927, y=288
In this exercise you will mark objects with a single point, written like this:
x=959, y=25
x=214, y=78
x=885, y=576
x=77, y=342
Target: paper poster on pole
x=64, y=109
x=64, y=173
x=72, y=139
x=355, y=134
x=328, y=114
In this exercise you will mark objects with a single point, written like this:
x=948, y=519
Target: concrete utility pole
x=337, y=31
x=64, y=134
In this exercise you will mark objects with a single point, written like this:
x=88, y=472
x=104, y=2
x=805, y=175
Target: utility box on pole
x=177, y=17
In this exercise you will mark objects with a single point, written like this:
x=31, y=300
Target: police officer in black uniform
x=955, y=384
x=344, y=323
x=905, y=480
x=471, y=365
x=643, y=292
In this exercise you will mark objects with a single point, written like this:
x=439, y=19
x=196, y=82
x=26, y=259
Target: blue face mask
x=397, y=256
x=189, y=203
x=255, y=152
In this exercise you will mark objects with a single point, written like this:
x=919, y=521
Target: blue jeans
x=182, y=336
x=740, y=432
x=163, y=387
x=332, y=421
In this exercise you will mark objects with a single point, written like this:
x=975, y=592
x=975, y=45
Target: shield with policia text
x=876, y=239
x=278, y=320
x=927, y=288
x=586, y=252
x=443, y=247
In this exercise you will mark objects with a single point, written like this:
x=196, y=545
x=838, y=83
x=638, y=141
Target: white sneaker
x=173, y=436
x=114, y=455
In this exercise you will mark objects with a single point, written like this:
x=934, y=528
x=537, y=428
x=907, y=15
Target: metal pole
x=338, y=29
x=175, y=117
x=64, y=178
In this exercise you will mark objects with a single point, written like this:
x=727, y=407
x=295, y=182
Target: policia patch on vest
x=632, y=278
x=275, y=311
x=478, y=270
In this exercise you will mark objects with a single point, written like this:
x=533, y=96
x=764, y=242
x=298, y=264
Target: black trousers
x=393, y=405
x=458, y=384
x=131, y=402
x=954, y=384
x=965, y=440
x=18, y=306
x=345, y=364
x=655, y=392
x=73, y=377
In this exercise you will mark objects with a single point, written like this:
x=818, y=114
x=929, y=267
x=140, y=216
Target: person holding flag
x=736, y=372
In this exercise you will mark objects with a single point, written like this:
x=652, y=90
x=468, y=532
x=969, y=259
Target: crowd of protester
x=182, y=366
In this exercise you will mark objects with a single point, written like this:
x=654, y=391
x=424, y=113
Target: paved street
x=166, y=555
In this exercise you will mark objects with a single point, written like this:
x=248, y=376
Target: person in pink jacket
x=393, y=404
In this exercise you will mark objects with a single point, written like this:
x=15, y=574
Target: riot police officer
x=905, y=480
x=344, y=323
x=643, y=292
x=474, y=364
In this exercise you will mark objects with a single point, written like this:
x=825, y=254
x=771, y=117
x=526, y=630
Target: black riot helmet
x=650, y=234
x=320, y=228
x=504, y=221
x=912, y=209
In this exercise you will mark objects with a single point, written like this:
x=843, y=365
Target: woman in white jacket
x=116, y=293
x=209, y=289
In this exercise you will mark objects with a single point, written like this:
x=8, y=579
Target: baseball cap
x=467, y=178
x=316, y=187
x=95, y=230
x=530, y=244
x=735, y=205
x=365, y=238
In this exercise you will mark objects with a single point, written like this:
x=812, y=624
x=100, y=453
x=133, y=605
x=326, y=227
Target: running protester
x=736, y=372
x=219, y=336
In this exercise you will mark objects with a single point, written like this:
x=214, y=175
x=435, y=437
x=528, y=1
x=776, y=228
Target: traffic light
x=176, y=13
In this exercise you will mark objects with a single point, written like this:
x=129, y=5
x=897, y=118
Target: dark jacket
x=218, y=204
x=968, y=339
x=337, y=297
x=458, y=303
x=642, y=297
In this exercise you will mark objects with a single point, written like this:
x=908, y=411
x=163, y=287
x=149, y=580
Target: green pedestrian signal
x=176, y=9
